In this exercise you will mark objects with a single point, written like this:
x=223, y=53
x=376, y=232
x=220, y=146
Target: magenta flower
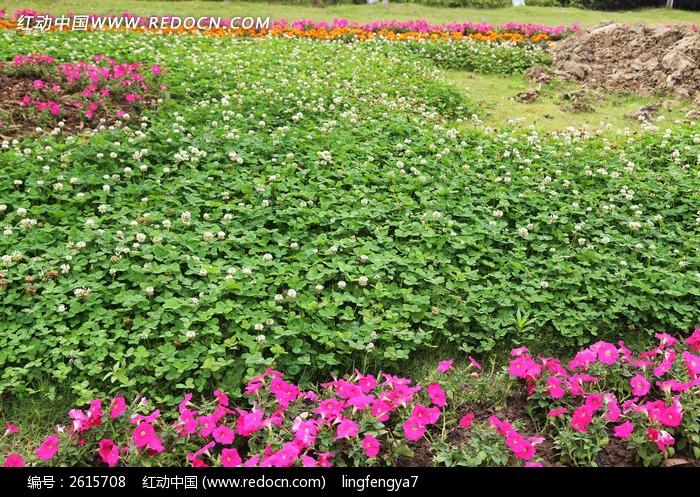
x=223, y=435
x=13, y=461
x=640, y=385
x=445, y=366
x=466, y=420
x=474, y=363
x=607, y=353
x=624, y=430
x=249, y=422
x=693, y=341
x=413, y=429
x=48, y=448
x=425, y=415
x=581, y=418
x=671, y=416
x=109, y=452
x=554, y=387
x=346, y=429
x=10, y=428
x=556, y=412
x=230, y=458
x=437, y=394
x=145, y=436
x=117, y=407
x=371, y=446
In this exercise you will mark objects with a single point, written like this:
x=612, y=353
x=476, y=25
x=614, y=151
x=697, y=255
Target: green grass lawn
x=496, y=98
x=544, y=15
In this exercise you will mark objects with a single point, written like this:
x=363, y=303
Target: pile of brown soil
x=641, y=59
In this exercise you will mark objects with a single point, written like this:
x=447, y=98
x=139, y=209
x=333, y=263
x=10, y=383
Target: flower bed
x=648, y=400
x=339, y=29
x=66, y=97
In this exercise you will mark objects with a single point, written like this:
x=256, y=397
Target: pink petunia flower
x=109, y=452
x=466, y=420
x=607, y=353
x=48, y=448
x=581, y=418
x=11, y=428
x=413, y=429
x=371, y=446
x=437, y=395
x=117, y=407
x=640, y=385
x=13, y=461
x=346, y=429
x=223, y=435
x=230, y=458
x=558, y=411
x=474, y=363
x=445, y=366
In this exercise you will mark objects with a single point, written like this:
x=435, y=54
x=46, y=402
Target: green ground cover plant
x=317, y=207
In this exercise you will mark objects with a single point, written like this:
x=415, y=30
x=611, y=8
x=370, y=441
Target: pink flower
x=556, y=412
x=330, y=409
x=474, y=363
x=230, y=458
x=554, y=387
x=283, y=391
x=531, y=464
x=520, y=447
x=437, y=394
x=581, y=418
x=38, y=84
x=693, y=341
x=10, y=428
x=445, y=366
x=371, y=446
x=221, y=398
x=109, y=452
x=13, y=461
x=117, y=407
x=425, y=415
x=466, y=420
x=346, y=429
x=156, y=69
x=413, y=429
x=305, y=432
x=48, y=448
x=520, y=366
x=381, y=410
x=607, y=353
x=145, y=436
x=640, y=385
x=249, y=422
x=671, y=416
x=224, y=435
x=663, y=439
x=366, y=383
x=624, y=430
x=692, y=364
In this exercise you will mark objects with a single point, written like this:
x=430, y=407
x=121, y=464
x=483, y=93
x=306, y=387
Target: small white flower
x=362, y=281
x=190, y=334
x=267, y=257
x=149, y=291
x=341, y=284
x=291, y=294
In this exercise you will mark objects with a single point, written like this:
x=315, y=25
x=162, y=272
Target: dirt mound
x=640, y=59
